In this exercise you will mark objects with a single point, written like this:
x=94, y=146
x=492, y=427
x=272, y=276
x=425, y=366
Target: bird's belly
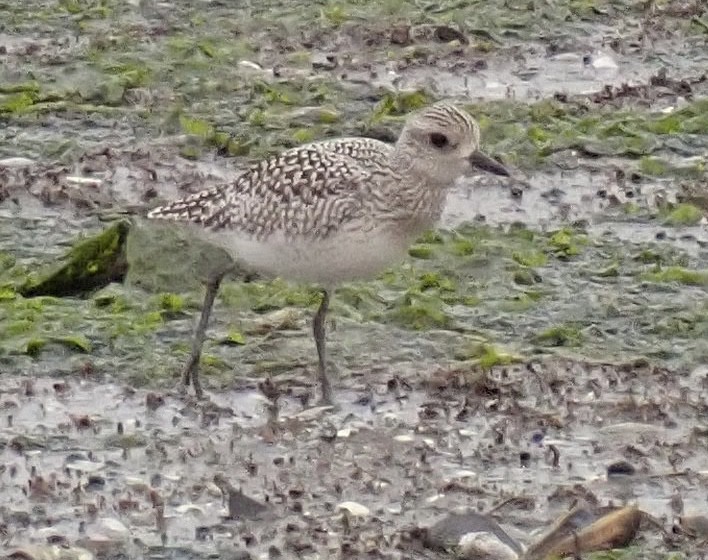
x=340, y=258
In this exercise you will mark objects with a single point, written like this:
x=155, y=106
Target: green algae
x=417, y=311
x=88, y=266
x=234, y=338
x=421, y=251
x=678, y=275
x=683, y=215
x=397, y=104
x=565, y=243
x=530, y=258
x=526, y=277
x=172, y=305
x=77, y=342
x=487, y=355
x=562, y=335
x=34, y=346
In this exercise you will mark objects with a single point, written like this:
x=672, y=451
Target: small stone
x=472, y=535
x=15, y=162
x=620, y=468
x=694, y=525
x=84, y=181
x=354, y=508
x=113, y=528
x=250, y=65
x=324, y=62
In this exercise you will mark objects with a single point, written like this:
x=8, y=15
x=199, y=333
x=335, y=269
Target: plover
x=332, y=211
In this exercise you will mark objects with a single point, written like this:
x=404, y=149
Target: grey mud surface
x=514, y=343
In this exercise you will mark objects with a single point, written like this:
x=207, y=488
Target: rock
x=694, y=525
x=240, y=506
x=472, y=535
x=250, y=65
x=354, y=508
x=324, y=62
x=14, y=162
x=152, y=265
x=113, y=528
x=620, y=468
x=49, y=552
x=90, y=265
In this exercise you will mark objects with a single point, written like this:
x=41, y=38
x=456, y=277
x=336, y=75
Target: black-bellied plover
x=333, y=211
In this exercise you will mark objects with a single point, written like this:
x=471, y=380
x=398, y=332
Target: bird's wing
x=308, y=191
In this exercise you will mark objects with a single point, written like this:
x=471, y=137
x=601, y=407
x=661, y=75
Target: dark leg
x=318, y=329
x=191, y=370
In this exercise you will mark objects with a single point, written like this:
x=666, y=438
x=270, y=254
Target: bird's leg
x=190, y=373
x=318, y=329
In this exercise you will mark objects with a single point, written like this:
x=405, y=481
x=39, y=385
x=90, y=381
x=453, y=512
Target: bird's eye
x=438, y=140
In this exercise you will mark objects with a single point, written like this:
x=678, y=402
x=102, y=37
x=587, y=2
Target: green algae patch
x=562, y=335
x=7, y=293
x=421, y=251
x=420, y=312
x=76, y=343
x=684, y=214
x=566, y=243
x=488, y=356
x=396, y=104
x=678, y=275
x=526, y=277
x=91, y=264
x=34, y=346
x=530, y=258
x=234, y=338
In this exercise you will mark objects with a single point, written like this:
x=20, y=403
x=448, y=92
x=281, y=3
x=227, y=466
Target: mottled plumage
x=335, y=210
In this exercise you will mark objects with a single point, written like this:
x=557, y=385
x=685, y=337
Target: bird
x=332, y=211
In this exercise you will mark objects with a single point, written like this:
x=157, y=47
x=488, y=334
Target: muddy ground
x=565, y=308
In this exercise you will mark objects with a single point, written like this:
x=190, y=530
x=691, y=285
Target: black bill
x=482, y=161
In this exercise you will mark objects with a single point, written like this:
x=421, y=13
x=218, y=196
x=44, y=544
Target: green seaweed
x=565, y=243
x=234, y=338
x=421, y=251
x=420, y=312
x=34, y=346
x=683, y=215
x=77, y=343
x=530, y=258
x=562, y=335
x=678, y=275
x=396, y=104
x=16, y=103
x=488, y=356
x=7, y=293
x=526, y=277
x=88, y=266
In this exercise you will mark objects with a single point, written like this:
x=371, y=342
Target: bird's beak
x=482, y=161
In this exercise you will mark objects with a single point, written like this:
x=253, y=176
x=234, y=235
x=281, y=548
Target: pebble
x=473, y=535
x=15, y=162
x=355, y=508
x=49, y=552
x=87, y=181
x=113, y=528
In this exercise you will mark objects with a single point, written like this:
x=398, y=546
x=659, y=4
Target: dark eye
x=438, y=140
